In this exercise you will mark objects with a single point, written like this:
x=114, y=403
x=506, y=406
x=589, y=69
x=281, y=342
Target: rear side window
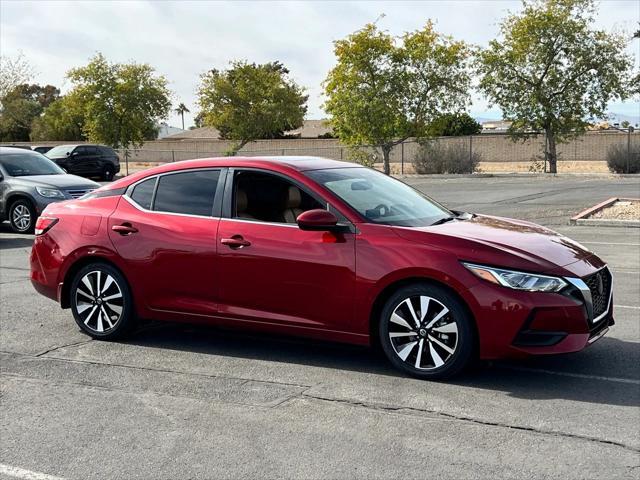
x=188, y=192
x=143, y=193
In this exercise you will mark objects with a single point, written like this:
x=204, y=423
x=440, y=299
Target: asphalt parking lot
x=178, y=401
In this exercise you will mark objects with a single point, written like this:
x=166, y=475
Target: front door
x=274, y=272
x=165, y=230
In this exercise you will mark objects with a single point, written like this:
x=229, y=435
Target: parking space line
x=17, y=472
x=570, y=374
x=627, y=306
x=612, y=243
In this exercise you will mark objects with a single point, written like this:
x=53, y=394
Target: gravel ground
x=623, y=210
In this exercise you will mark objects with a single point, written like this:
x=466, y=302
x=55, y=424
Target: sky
x=182, y=40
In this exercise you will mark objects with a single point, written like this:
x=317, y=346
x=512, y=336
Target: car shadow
x=6, y=243
x=577, y=377
x=16, y=240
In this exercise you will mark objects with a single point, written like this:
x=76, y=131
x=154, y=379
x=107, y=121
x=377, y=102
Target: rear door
x=165, y=230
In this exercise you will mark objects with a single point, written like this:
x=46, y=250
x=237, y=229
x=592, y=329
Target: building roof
x=310, y=129
x=202, y=133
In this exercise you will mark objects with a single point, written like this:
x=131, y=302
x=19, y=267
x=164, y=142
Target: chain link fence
x=497, y=152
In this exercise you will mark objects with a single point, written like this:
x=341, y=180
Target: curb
x=582, y=217
x=586, y=222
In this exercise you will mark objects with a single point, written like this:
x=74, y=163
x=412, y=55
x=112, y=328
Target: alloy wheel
x=21, y=217
x=99, y=301
x=423, y=332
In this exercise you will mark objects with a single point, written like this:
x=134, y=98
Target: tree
x=453, y=125
x=63, y=120
x=122, y=103
x=14, y=71
x=181, y=110
x=20, y=106
x=250, y=101
x=550, y=71
x=384, y=89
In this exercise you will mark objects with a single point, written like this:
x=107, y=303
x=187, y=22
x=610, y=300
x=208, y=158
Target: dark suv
x=86, y=160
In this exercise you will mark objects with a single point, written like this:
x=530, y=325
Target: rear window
x=189, y=193
x=143, y=193
x=107, y=151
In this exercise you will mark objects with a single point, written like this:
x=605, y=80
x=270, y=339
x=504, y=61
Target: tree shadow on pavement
x=577, y=377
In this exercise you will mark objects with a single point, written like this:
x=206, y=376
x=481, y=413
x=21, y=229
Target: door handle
x=235, y=242
x=124, y=229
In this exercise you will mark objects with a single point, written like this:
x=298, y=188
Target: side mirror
x=319, y=220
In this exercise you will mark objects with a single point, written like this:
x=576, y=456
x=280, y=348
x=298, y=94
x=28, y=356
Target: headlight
x=49, y=192
x=517, y=280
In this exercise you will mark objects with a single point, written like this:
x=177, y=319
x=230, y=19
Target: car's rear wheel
x=101, y=302
x=426, y=332
x=22, y=216
x=108, y=173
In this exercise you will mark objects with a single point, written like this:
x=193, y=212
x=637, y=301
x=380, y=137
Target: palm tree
x=181, y=110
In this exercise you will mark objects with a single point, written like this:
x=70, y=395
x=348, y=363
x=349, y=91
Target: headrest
x=242, y=202
x=294, y=197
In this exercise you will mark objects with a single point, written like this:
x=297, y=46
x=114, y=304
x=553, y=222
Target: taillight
x=44, y=224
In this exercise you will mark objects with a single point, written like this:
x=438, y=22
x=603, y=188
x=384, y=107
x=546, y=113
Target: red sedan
x=319, y=248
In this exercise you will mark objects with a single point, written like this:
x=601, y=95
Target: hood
x=65, y=181
x=502, y=242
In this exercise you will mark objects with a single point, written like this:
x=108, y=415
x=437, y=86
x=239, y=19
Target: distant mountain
x=619, y=118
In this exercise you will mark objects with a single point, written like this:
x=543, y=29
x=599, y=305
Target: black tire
x=441, y=349
x=116, y=314
x=108, y=173
x=19, y=223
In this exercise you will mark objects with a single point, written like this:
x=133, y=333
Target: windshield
x=380, y=198
x=60, y=151
x=22, y=164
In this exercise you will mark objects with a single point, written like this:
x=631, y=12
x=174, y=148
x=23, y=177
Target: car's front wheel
x=426, y=332
x=22, y=216
x=101, y=302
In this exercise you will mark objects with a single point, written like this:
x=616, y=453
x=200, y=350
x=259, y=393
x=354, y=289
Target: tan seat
x=293, y=202
x=242, y=204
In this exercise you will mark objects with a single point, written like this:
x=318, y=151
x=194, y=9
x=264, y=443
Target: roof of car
x=284, y=163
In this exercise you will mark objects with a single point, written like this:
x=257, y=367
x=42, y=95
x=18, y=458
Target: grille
x=600, y=286
x=79, y=193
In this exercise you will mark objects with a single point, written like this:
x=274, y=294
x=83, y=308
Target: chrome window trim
x=586, y=294
x=260, y=222
x=130, y=188
x=135, y=205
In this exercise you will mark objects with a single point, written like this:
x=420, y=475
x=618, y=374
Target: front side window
x=189, y=193
x=27, y=163
x=60, y=151
x=380, y=198
x=269, y=198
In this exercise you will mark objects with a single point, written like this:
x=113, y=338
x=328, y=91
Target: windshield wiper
x=442, y=220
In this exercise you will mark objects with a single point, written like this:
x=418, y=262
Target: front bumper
x=516, y=324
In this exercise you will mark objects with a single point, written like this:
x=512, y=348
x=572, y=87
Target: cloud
x=184, y=39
